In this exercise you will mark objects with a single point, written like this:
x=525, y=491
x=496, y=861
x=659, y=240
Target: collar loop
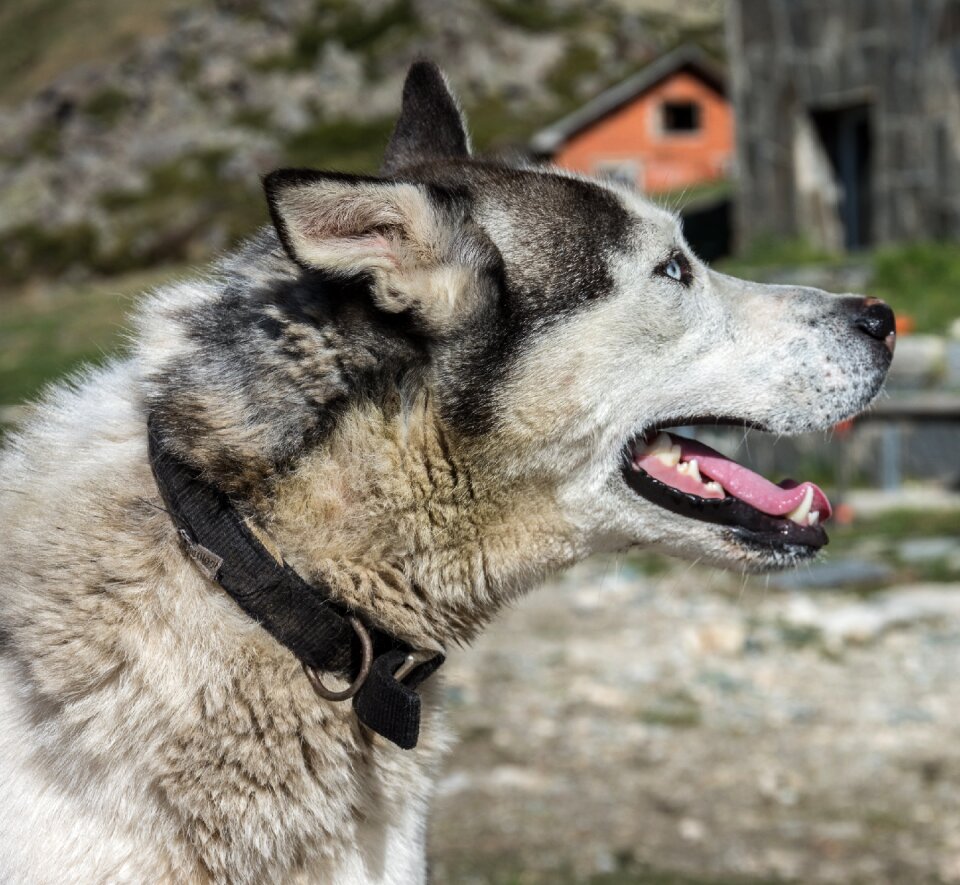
x=355, y=686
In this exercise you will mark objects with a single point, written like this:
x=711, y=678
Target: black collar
x=322, y=633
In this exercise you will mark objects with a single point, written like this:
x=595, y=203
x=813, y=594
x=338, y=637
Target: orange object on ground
x=905, y=324
x=844, y=514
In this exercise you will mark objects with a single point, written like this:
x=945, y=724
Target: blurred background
x=639, y=720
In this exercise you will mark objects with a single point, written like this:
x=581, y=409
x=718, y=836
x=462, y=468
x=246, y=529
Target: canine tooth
x=802, y=510
x=693, y=470
x=663, y=449
x=671, y=458
x=814, y=517
x=661, y=443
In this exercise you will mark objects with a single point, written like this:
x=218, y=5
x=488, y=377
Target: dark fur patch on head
x=559, y=236
x=556, y=237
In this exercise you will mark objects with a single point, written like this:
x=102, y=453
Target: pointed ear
x=399, y=234
x=431, y=123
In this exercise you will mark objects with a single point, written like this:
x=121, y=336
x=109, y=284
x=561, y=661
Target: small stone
x=723, y=638
x=691, y=830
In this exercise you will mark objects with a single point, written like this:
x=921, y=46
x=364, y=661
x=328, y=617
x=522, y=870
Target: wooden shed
x=848, y=119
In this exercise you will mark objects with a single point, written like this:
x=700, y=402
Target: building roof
x=687, y=56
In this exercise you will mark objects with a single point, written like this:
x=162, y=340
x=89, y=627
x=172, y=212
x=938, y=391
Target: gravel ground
x=695, y=727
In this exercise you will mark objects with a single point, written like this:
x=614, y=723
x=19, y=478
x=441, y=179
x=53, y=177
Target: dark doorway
x=708, y=228
x=846, y=137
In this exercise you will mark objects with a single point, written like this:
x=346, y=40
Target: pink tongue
x=774, y=500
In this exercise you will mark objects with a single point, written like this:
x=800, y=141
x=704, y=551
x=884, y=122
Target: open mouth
x=691, y=479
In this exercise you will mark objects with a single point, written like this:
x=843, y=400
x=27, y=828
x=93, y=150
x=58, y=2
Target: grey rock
x=921, y=360
x=841, y=573
x=865, y=621
x=920, y=550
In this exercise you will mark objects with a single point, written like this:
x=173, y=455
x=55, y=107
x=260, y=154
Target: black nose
x=875, y=318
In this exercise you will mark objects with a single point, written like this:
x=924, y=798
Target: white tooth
x=802, y=510
x=671, y=458
x=715, y=487
x=694, y=470
x=663, y=449
x=661, y=443
x=813, y=518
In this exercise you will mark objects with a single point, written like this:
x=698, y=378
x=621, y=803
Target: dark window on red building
x=681, y=116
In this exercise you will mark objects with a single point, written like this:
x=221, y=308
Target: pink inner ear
x=383, y=247
x=362, y=248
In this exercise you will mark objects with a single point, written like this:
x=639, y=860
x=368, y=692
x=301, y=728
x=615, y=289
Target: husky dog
x=421, y=393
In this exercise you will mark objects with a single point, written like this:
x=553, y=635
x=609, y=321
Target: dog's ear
x=399, y=234
x=431, y=123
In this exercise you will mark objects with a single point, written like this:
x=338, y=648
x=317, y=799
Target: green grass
x=27, y=249
x=358, y=31
x=160, y=224
x=922, y=280
x=534, y=15
x=901, y=524
x=108, y=105
x=698, y=194
x=347, y=23
x=41, y=39
x=48, y=331
x=580, y=60
x=344, y=145
x=675, y=710
x=772, y=253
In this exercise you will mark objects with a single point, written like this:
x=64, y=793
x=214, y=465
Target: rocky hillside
x=134, y=136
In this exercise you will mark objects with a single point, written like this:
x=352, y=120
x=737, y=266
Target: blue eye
x=677, y=268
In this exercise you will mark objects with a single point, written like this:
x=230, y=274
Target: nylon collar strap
x=297, y=614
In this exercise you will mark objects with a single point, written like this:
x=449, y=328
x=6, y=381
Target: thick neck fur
x=400, y=517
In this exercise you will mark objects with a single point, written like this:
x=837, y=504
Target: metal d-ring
x=413, y=660
x=357, y=683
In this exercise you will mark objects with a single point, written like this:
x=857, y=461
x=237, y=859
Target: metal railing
x=898, y=410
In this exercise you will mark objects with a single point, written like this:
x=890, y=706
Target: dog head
x=546, y=329
x=568, y=323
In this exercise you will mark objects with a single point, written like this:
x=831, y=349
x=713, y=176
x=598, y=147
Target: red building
x=667, y=127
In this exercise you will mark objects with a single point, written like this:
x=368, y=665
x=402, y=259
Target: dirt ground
x=691, y=726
